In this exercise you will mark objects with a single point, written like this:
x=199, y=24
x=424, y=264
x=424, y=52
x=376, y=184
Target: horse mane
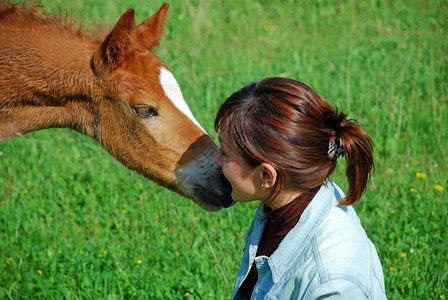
x=30, y=14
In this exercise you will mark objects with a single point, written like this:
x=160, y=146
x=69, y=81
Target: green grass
x=76, y=224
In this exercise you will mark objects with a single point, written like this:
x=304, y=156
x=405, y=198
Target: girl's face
x=243, y=178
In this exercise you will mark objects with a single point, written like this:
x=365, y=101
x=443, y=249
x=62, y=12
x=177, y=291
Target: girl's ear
x=268, y=175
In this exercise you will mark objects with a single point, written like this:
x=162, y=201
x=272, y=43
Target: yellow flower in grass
x=420, y=175
x=412, y=190
x=39, y=272
x=139, y=261
x=438, y=187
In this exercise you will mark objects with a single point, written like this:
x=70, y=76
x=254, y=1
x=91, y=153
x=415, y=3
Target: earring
x=262, y=185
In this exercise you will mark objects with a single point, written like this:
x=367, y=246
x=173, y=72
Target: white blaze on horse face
x=173, y=92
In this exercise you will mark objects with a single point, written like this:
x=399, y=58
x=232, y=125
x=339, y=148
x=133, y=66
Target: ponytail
x=358, y=152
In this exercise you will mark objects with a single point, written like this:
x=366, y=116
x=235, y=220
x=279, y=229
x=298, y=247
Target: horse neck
x=47, y=82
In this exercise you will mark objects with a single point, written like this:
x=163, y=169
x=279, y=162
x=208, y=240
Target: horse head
x=143, y=120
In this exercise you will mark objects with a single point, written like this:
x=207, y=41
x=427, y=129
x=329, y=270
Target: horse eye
x=145, y=111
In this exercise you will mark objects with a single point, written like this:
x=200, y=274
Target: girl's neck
x=282, y=198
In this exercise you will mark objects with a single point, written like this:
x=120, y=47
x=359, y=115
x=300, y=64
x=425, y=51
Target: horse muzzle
x=201, y=179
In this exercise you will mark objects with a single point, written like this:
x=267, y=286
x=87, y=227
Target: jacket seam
x=335, y=277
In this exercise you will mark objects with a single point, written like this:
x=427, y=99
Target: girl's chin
x=239, y=198
x=235, y=196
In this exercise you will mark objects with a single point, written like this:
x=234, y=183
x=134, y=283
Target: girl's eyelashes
x=222, y=155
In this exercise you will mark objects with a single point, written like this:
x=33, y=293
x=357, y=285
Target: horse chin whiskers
x=191, y=191
x=196, y=189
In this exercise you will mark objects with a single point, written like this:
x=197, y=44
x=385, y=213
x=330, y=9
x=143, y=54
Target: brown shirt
x=279, y=223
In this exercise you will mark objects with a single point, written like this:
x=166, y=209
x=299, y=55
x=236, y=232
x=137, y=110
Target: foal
x=110, y=87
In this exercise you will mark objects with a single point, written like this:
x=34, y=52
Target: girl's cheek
x=224, y=170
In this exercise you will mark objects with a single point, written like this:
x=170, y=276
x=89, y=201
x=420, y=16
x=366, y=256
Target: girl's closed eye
x=221, y=154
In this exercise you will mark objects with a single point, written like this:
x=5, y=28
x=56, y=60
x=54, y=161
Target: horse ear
x=150, y=31
x=106, y=57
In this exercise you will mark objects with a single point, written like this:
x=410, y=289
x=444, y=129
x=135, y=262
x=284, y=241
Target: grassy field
x=76, y=224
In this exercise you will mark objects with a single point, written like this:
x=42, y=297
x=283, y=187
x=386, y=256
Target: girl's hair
x=285, y=123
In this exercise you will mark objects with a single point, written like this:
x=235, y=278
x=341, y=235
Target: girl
x=280, y=142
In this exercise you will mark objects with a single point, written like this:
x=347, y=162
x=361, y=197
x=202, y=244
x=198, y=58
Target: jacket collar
x=283, y=258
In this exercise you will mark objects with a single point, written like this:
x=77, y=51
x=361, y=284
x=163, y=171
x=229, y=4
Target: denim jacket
x=326, y=255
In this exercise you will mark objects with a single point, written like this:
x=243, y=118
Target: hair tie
x=334, y=149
